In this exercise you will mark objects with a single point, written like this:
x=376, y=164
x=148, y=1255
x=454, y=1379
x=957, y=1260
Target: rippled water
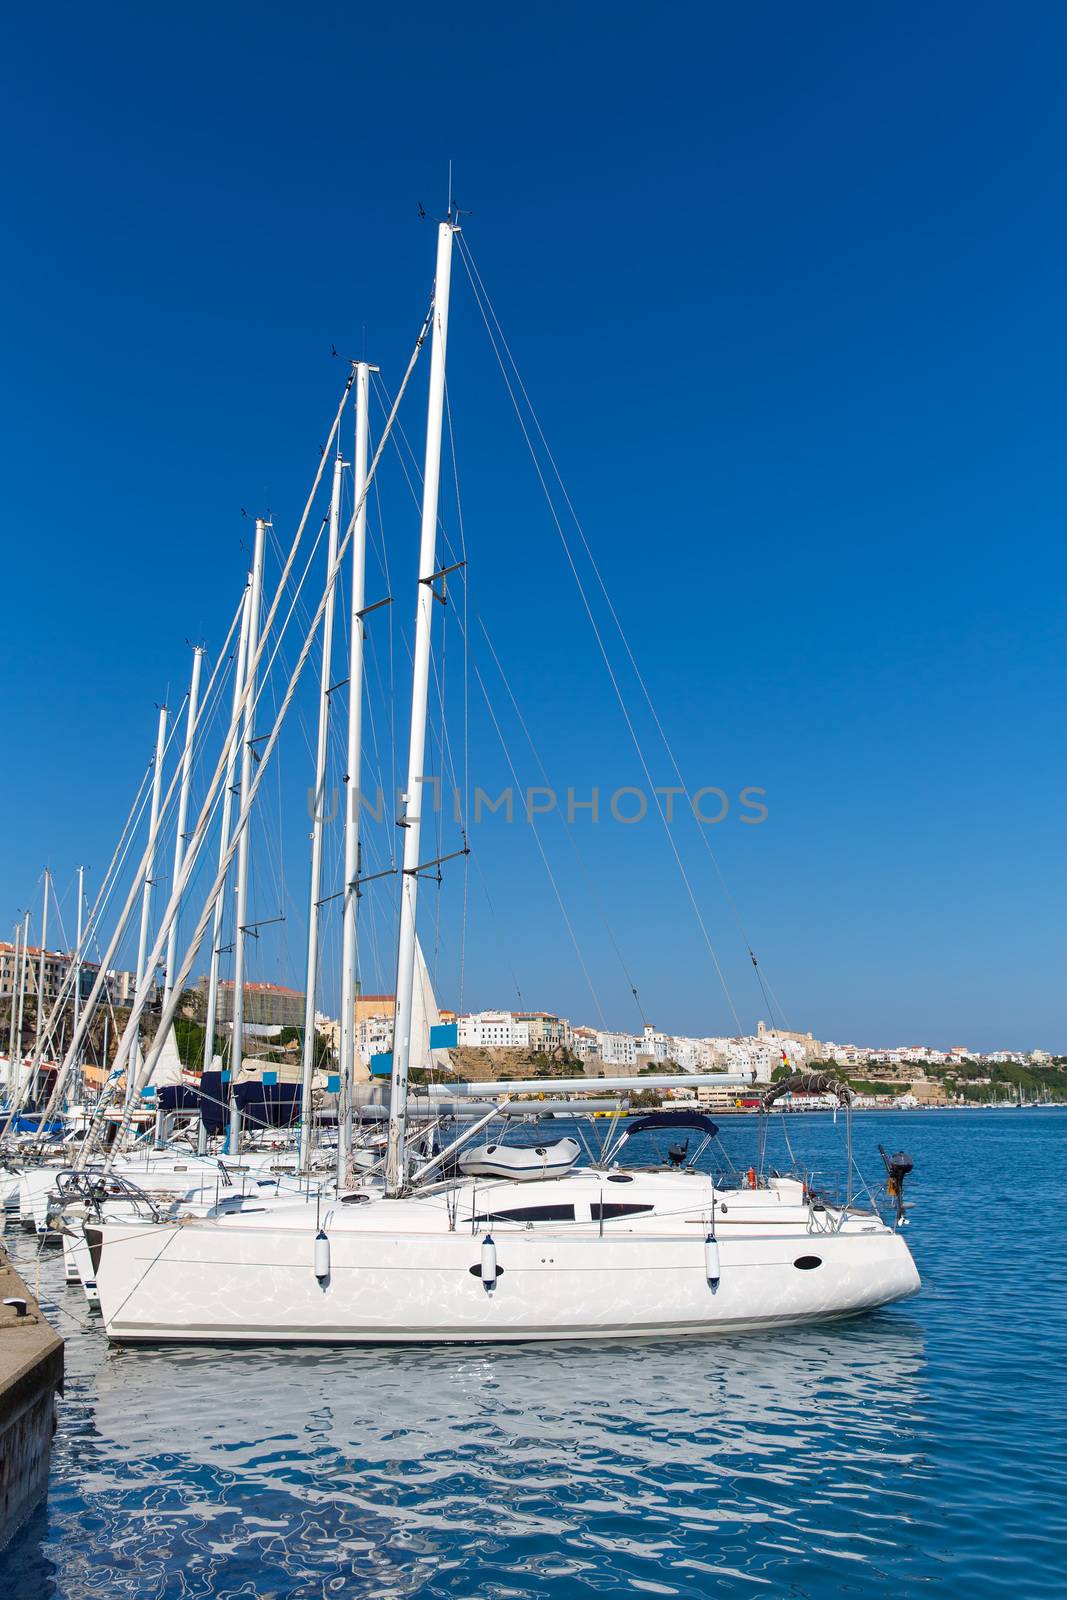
x=918, y=1450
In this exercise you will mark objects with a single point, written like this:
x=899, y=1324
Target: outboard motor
x=897, y=1168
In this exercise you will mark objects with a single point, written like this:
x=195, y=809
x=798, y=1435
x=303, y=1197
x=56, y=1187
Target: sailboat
x=606, y=1250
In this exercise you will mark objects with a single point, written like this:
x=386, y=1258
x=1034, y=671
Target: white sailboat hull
x=254, y=1280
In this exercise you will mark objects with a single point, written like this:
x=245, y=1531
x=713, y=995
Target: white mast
x=211, y=1010
x=40, y=970
x=183, y=810
x=395, y=1167
x=78, y=949
x=307, y=1060
x=11, y=1080
x=78, y=935
x=352, y=778
x=22, y=985
x=134, y=1063
x=239, y=932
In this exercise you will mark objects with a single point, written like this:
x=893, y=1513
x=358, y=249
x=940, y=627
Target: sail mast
x=14, y=1007
x=78, y=958
x=146, y=894
x=395, y=1167
x=22, y=991
x=183, y=810
x=352, y=776
x=240, y=930
x=40, y=970
x=78, y=948
x=307, y=1059
x=211, y=1009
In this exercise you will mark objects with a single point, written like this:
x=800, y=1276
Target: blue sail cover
x=179, y=1097
x=269, y=1104
x=214, y=1100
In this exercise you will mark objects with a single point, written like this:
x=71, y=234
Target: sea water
x=917, y=1450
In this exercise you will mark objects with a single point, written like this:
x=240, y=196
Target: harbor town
x=533, y=1050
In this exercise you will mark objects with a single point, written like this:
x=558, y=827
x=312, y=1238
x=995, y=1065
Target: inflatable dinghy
x=520, y=1162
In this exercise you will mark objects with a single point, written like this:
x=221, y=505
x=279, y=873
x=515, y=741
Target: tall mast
x=307, y=1059
x=183, y=810
x=134, y=1063
x=39, y=1029
x=40, y=970
x=78, y=954
x=22, y=985
x=395, y=1165
x=78, y=948
x=353, y=765
x=14, y=1008
x=211, y=1010
x=240, y=930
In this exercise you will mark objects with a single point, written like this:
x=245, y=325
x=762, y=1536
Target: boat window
x=530, y=1214
x=604, y=1211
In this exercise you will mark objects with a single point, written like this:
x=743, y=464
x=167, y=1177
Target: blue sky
x=786, y=286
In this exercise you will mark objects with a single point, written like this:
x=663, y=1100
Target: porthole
x=807, y=1263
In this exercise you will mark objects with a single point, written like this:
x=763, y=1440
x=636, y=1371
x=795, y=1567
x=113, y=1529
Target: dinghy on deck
x=520, y=1163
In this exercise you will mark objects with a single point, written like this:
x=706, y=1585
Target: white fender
x=489, y=1262
x=711, y=1260
x=322, y=1256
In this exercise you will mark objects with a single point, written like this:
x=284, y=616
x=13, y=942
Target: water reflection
x=458, y=1471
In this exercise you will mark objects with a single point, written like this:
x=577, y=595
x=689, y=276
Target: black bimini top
x=672, y=1119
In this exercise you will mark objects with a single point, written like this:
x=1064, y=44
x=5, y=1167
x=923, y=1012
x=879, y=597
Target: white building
x=547, y=1031
x=617, y=1049
x=655, y=1045
x=585, y=1043
x=493, y=1030
x=692, y=1055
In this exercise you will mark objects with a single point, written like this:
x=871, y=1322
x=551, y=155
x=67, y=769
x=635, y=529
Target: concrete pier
x=31, y=1374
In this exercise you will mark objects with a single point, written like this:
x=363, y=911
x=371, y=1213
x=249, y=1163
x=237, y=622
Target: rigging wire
x=541, y=849
x=480, y=295
x=590, y=881
x=465, y=632
x=145, y=1075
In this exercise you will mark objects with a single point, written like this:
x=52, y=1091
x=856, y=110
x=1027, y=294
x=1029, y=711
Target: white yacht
x=482, y=1247
x=601, y=1251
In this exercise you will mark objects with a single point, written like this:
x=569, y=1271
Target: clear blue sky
x=787, y=284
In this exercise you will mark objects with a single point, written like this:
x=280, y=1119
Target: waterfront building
x=265, y=1003
x=586, y=1047
x=548, y=1032
x=121, y=986
x=493, y=1030
x=692, y=1055
x=57, y=965
x=616, y=1049
x=654, y=1046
